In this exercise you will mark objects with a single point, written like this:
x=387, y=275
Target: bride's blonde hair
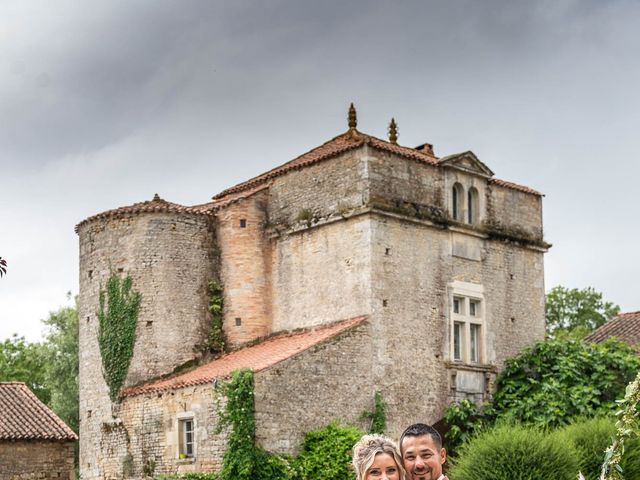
x=366, y=450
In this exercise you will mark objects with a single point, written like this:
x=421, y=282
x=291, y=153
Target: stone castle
x=361, y=266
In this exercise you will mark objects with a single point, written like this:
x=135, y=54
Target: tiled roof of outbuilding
x=625, y=327
x=256, y=357
x=24, y=417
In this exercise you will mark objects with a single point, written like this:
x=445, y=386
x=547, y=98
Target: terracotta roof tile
x=515, y=186
x=334, y=147
x=337, y=145
x=625, y=327
x=412, y=153
x=155, y=205
x=256, y=357
x=24, y=417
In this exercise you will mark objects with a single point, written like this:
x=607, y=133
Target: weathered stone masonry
x=356, y=227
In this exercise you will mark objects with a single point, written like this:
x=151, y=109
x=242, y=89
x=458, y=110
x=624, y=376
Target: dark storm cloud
x=104, y=103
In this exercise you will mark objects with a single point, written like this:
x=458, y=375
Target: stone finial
x=393, y=131
x=353, y=119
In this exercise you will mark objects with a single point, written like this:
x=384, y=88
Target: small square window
x=238, y=322
x=186, y=438
x=474, y=308
x=243, y=223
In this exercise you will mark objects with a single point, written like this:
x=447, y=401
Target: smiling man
x=422, y=452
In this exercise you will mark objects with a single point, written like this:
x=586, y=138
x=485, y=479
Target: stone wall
x=330, y=381
x=414, y=265
x=515, y=211
x=322, y=274
x=151, y=443
x=171, y=258
x=409, y=327
x=392, y=177
x=245, y=269
x=330, y=187
x=36, y=460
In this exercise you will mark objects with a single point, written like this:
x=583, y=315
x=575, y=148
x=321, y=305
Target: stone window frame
x=466, y=298
x=181, y=420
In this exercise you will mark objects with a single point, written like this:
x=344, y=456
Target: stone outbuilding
x=624, y=327
x=361, y=266
x=34, y=442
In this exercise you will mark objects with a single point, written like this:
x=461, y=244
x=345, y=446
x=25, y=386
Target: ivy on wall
x=117, y=315
x=216, y=305
x=243, y=459
x=378, y=416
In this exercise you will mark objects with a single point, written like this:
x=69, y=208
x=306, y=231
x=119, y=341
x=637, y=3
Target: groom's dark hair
x=419, y=429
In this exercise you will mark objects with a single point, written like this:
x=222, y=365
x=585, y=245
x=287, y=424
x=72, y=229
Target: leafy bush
x=552, y=382
x=515, y=453
x=189, y=476
x=591, y=437
x=326, y=453
x=463, y=419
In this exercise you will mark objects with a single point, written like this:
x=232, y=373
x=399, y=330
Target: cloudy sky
x=105, y=103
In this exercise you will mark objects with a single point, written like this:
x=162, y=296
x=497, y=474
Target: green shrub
x=552, y=382
x=515, y=453
x=464, y=419
x=326, y=453
x=189, y=476
x=591, y=437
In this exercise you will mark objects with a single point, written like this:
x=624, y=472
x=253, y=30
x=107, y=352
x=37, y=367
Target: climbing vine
x=216, y=304
x=377, y=417
x=117, y=315
x=243, y=459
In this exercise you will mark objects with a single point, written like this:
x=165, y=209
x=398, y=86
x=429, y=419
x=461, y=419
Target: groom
x=422, y=452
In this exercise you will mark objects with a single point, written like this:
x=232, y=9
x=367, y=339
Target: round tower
x=169, y=253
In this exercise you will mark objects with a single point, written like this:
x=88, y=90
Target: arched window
x=472, y=206
x=457, y=201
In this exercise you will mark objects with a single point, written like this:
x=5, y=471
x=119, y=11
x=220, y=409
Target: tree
x=576, y=312
x=62, y=355
x=25, y=362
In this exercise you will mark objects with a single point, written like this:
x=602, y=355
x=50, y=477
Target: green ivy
x=464, y=420
x=243, y=459
x=118, y=315
x=326, y=453
x=216, y=304
x=377, y=417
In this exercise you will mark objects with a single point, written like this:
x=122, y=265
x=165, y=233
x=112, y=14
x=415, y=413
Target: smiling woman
x=377, y=457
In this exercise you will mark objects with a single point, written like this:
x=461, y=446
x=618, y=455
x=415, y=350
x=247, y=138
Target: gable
x=467, y=162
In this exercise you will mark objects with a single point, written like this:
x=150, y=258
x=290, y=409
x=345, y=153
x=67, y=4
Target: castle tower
x=168, y=250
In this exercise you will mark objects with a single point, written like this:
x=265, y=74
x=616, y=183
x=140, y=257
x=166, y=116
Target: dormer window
x=458, y=202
